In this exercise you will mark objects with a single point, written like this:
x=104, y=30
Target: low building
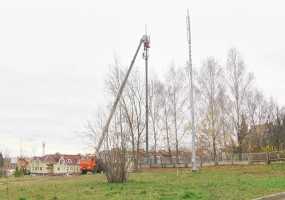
x=13, y=163
x=6, y=165
x=55, y=164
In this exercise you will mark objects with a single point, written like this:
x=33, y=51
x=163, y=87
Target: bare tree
x=176, y=87
x=136, y=99
x=225, y=119
x=165, y=119
x=239, y=83
x=155, y=111
x=131, y=104
x=211, y=86
x=256, y=110
x=114, y=154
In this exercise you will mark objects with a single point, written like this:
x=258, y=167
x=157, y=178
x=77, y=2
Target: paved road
x=279, y=196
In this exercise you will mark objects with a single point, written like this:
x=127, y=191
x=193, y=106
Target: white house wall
x=39, y=167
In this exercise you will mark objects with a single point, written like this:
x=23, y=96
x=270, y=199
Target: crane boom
x=144, y=40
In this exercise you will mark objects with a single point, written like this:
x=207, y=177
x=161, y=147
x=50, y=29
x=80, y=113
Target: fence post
x=268, y=157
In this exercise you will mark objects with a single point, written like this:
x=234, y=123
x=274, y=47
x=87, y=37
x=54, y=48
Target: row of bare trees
x=234, y=116
x=225, y=98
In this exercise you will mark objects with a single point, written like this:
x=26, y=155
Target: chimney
x=44, y=148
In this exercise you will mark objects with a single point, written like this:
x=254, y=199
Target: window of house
x=58, y=169
x=41, y=168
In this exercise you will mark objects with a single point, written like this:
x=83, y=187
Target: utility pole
x=145, y=56
x=194, y=167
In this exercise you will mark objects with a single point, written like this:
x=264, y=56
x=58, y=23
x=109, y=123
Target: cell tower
x=194, y=167
x=145, y=56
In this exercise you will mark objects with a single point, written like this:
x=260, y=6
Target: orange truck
x=87, y=166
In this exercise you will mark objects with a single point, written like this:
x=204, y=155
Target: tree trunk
x=137, y=156
x=155, y=143
x=239, y=147
x=215, y=151
x=167, y=135
x=176, y=132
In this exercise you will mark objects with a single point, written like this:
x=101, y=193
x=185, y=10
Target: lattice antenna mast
x=145, y=56
x=192, y=106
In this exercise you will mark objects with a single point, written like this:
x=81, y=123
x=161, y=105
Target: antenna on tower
x=194, y=167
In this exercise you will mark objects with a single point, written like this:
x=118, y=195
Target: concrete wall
x=66, y=169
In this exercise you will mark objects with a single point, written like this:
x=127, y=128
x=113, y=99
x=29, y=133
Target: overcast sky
x=54, y=56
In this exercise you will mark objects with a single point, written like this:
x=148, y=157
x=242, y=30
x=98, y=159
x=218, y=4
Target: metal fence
x=184, y=160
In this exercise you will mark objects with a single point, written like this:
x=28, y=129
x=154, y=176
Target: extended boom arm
x=144, y=40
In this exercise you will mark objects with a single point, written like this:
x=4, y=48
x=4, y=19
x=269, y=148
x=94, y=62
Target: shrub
x=18, y=172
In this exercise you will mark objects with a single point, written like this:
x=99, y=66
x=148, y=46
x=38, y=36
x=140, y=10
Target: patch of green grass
x=211, y=183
